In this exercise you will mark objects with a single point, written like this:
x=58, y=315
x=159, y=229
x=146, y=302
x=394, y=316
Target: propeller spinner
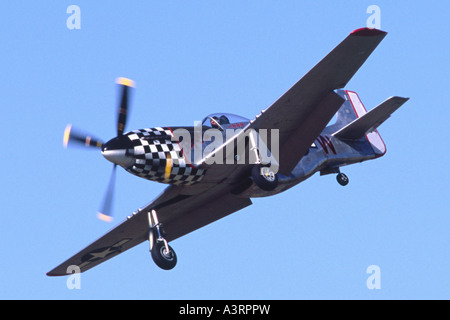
x=116, y=150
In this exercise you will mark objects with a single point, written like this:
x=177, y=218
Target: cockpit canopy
x=224, y=121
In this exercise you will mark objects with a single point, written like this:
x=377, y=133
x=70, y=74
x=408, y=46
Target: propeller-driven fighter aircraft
x=214, y=168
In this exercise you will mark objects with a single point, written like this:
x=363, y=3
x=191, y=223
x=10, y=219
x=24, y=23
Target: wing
x=179, y=212
x=306, y=108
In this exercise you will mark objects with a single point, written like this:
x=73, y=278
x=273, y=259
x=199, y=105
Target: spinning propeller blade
x=75, y=136
x=105, y=212
x=126, y=84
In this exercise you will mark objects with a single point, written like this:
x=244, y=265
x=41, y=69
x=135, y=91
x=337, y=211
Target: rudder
x=351, y=109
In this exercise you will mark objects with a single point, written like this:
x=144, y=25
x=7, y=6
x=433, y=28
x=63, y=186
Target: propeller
x=113, y=150
x=105, y=212
x=75, y=136
x=126, y=84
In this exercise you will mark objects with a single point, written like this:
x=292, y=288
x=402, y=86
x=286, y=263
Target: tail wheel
x=342, y=179
x=163, y=259
x=264, y=178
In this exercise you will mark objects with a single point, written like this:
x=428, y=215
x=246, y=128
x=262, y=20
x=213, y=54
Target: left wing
x=180, y=213
x=306, y=108
x=303, y=111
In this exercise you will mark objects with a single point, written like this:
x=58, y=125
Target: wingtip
x=404, y=100
x=50, y=274
x=368, y=32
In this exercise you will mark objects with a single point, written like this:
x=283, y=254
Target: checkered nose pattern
x=159, y=157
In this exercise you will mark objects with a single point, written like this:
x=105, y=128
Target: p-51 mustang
x=202, y=191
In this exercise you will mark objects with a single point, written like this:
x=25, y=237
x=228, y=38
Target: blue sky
x=193, y=58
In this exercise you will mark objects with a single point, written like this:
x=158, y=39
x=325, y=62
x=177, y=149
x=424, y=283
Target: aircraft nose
x=119, y=151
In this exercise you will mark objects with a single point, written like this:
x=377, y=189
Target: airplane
x=202, y=189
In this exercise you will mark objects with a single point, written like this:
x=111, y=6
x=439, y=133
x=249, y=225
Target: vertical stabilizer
x=351, y=109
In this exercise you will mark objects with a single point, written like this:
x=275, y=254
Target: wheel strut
x=163, y=255
x=158, y=228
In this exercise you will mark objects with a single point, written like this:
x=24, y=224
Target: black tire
x=342, y=179
x=267, y=181
x=163, y=260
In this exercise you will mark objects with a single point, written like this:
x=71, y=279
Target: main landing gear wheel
x=162, y=254
x=163, y=259
x=342, y=179
x=264, y=178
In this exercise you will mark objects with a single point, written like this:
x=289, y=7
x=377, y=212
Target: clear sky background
x=192, y=58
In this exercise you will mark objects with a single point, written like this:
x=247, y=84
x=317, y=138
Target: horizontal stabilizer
x=368, y=122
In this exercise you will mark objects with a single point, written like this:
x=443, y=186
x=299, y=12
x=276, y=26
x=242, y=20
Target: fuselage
x=171, y=154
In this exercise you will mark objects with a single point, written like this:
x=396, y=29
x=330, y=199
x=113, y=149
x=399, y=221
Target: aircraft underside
x=209, y=177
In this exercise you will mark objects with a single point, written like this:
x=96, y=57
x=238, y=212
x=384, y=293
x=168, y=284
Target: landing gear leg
x=163, y=254
x=261, y=174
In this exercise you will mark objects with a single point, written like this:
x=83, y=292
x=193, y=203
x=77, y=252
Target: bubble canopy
x=224, y=120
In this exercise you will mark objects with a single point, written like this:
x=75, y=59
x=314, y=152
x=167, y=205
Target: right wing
x=179, y=213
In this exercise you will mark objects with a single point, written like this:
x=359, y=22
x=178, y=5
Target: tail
x=354, y=122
